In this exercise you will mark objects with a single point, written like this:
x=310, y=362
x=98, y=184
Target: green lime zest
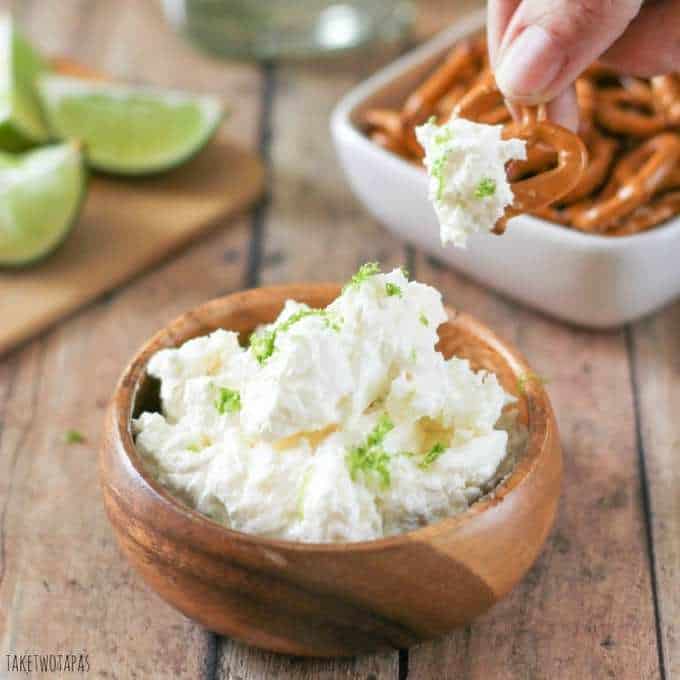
x=300, y=500
x=487, y=187
x=263, y=344
x=393, y=289
x=371, y=459
x=423, y=319
x=379, y=432
x=329, y=320
x=194, y=448
x=444, y=136
x=438, y=168
x=74, y=437
x=366, y=271
x=432, y=455
x=228, y=401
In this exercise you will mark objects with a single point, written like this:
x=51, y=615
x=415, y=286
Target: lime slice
x=21, y=122
x=40, y=196
x=128, y=130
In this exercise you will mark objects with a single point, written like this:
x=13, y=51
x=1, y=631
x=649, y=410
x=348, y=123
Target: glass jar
x=267, y=29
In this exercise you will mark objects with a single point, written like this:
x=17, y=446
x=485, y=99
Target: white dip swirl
x=466, y=165
x=341, y=424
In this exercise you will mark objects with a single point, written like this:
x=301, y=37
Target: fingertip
x=529, y=65
x=563, y=109
x=498, y=16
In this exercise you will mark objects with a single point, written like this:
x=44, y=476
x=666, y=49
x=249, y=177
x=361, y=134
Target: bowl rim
x=539, y=415
x=343, y=126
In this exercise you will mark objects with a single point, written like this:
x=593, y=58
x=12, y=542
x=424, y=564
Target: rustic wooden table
x=603, y=601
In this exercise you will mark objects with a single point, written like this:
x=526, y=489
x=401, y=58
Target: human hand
x=539, y=47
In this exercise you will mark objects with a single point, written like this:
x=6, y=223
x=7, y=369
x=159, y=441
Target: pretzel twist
x=447, y=103
x=586, y=97
x=647, y=216
x=601, y=152
x=393, y=131
x=540, y=157
x=462, y=64
x=390, y=143
x=666, y=90
x=552, y=214
x=484, y=102
x=628, y=112
x=655, y=161
x=549, y=186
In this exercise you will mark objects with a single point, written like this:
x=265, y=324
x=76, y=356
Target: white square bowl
x=590, y=280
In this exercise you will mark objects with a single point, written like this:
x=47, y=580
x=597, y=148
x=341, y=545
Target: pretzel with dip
x=618, y=177
x=547, y=145
x=549, y=185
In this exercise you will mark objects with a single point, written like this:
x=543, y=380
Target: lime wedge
x=128, y=130
x=21, y=122
x=40, y=196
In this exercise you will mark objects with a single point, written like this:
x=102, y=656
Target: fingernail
x=530, y=64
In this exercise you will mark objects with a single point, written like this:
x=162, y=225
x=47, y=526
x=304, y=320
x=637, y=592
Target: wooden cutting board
x=127, y=225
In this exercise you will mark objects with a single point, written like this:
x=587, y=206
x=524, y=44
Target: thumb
x=548, y=43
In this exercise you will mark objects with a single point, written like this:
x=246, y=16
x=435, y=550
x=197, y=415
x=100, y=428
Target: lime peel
x=129, y=130
x=41, y=193
x=21, y=121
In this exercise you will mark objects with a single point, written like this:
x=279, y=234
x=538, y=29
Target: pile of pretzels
x=619, y=176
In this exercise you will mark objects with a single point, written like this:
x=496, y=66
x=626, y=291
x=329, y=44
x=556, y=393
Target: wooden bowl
x=330, y=599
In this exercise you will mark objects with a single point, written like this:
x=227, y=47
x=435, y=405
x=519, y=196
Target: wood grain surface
x=602, y=602
x=572, y=615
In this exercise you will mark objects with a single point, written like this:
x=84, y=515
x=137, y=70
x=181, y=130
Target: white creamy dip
x=468, y=184
x=342, y=424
